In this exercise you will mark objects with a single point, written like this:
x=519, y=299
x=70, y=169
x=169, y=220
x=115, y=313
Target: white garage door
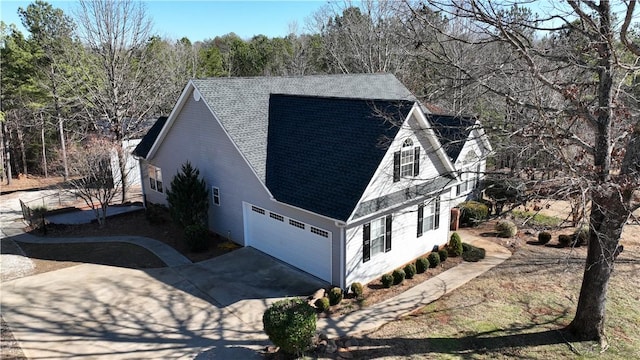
x=304, y=246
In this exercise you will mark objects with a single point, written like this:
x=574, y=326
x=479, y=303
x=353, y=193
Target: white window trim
x=407, y=159
x=380, y=238
x=215, y=195
x=429, y=215
x=155, y=178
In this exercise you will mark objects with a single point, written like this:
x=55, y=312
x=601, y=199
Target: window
x=155, y=178
x=406, y=162
x=297, y=224
x=376, y=237
x=276, y=216
x=320, y=232
x=258, y=210
x=216, y=195
x=468, y=182
x=429, y=216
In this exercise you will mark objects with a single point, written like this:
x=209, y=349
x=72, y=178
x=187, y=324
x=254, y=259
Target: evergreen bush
x=422, y=265
x=434, y=259
x=444, y=254
x=387, y=280
x=410, y=271
x=188, y=197
x=322, y=304
x=455, y=245
x=335, y=296
x=506, y=229
x=472, y=213
x=565, y=240
x=398, y=276
x=357, y=289
x=544, y=237
x=472, y=253
x=290, y=324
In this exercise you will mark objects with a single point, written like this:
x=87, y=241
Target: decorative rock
x=317, y=295
x=344, y=354
x=323, y=336
x=271, y=349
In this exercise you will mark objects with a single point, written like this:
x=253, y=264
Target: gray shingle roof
x=322, y=152
x=242, y=104
x=452, y=131
x=147, y=141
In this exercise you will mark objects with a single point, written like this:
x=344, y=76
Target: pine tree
x=188, y=197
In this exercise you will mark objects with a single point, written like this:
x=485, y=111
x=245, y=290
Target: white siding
x=471, y=155
x=405, y=245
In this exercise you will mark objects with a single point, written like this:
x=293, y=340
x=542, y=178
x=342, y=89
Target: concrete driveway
x=211, y=309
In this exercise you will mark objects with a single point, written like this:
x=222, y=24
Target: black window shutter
x=420, y=218
x=387, y=235
x=416, y=161
x=457, y=190
x=436, y=220
x=366, y=242
x=396, y=166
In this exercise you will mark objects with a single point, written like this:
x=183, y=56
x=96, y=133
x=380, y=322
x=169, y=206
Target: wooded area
x=556, y=88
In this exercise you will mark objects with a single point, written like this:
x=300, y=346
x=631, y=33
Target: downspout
x=343, y=229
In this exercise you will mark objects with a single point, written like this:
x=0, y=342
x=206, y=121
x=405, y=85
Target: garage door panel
x=285, y=239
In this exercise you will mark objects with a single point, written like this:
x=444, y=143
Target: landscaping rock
x=331, y=347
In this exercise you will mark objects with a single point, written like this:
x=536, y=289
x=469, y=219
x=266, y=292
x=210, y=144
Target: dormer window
x=406, y=162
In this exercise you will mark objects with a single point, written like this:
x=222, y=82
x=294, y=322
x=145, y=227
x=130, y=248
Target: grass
x=537, y=219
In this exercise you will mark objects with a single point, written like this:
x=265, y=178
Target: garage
x=299, y=244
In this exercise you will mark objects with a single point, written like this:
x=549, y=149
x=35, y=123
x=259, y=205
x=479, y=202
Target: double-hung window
x=215, y=192
x=406, y=162
x=155, y=178
x=429, y=216
x=376, y=237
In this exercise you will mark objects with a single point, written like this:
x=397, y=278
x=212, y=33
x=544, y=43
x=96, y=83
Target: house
x=341, y=176
x=466, y=144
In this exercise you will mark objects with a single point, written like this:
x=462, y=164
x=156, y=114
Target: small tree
x=188, y=197
x=93, y=177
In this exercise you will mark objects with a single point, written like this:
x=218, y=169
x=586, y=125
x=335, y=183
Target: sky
x=204, y=19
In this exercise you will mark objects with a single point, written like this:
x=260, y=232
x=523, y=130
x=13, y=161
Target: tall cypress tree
x=188, y=197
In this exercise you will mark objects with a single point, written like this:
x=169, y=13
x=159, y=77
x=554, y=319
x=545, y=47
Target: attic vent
x=196, y=95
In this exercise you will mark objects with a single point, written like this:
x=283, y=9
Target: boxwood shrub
x=444, y=254
x=434, y=259
x=472, y=253
x=455, y=245
x=506, y=229
x=410, y=271
x=357, y=289
x=322, y=304
x=422, y=265
x=387, y=280
x=335, y=296
x=290, y=324
x=398, y=276
x=544, y=237
x=472, y=213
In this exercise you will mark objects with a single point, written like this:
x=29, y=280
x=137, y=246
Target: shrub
x=398, y=276
x=455, y=245
x=156, y=214
x=472, y=253
x=357, y=289
x=290, y=324
x=335, y=296
x=506, y=229
x=322, y=304
x=196, y=237
x=434, y=259
x=422, y=264
x=444, y=254
x=387, y=280
x=565, y=240
x=472, y=213
x=544, y=237
x=581, y=236
x=410, y=271
x=188, y=197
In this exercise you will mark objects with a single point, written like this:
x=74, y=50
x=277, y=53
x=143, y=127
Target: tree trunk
x=6, y=152
x=122, y=167
x=63, y=148
x=44, y=148
x=608, y=217
x=23, y=150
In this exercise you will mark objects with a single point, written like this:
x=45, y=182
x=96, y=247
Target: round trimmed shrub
x=387, y=280
x=398, y=276
x=565, y=240
x=335, y=296
x=410, y=271
x=422, y=265
x=455, y=245
x=544, y=237
x=434, y=259
x=322, y=304
x=581, y=236
x=506, y=229
x=357, y=289
x=196, y=237
x=290, y=324
x=444, y=254
x=472, y=213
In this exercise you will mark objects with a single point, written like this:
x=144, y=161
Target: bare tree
x=121, y=92
x=568, y=76
x=93, y=180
